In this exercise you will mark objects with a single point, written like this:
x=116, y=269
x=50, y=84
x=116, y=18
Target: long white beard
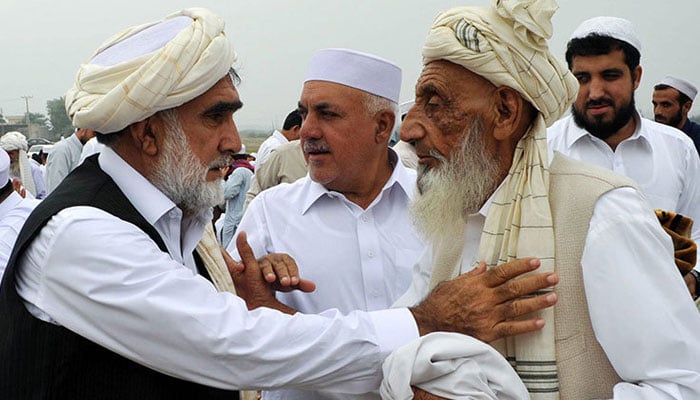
x=456, y=188
x=181, y=176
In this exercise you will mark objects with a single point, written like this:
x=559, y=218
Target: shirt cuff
x=395, y=327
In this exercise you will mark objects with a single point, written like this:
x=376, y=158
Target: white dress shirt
x=360, y=259
x=272, y=142
x=639, y=305
x=661, y=159
x=14, y=210
x=106, y=280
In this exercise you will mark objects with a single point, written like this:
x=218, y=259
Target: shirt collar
x=10, y=202
x=150, y=202
x=280, y=136
x=578, y=133
x=401, y=177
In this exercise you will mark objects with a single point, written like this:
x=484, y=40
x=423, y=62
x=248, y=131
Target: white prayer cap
x=13, y=141
x=452, y=366
x=149, y=68
x=507, y=45
x=4, y=168
x=614, y=27
x=681, y=85
x=358, y=70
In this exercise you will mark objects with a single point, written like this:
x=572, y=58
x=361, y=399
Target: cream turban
x=17, y=141
x=506, y=44
x=149, y=68
x=14, y=141
x=452, y=366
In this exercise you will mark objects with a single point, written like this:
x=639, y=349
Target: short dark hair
x=682, y=97
x=293, y=119
x=596, y=45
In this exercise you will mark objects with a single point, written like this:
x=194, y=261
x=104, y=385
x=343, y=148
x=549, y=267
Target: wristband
x=696, y=275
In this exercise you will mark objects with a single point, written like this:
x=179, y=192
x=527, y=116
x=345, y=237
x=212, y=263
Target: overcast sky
x=42, y=42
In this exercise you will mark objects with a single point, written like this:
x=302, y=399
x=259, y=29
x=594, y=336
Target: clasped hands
x=485, y=304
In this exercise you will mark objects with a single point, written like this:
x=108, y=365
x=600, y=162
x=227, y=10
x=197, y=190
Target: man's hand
x=485, y=304
x=248, y=280
x=281, y=271
x=17, y=186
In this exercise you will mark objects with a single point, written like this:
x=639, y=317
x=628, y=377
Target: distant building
x=18, y=123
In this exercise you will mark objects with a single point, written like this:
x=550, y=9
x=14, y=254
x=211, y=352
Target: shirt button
x=370, y=254
x=365, y=218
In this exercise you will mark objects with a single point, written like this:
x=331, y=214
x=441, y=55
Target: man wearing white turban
x=104, y=295
x=491, y=193
x=21, y=166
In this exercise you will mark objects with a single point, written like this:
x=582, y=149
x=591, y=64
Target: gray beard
x=181, y=176
x=14, y=169
x=456, y=188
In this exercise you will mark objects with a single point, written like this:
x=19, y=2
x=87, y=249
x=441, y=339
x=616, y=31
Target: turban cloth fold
x=506, y=45
x=452, y=366
x=126, y=81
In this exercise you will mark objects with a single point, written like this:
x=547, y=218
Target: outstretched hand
x=281, y=271
x=485, y=303
x=248, y=279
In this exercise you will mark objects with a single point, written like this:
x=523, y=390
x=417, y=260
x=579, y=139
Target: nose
x=231, y=140
x=596, y=89
x=412, y=129
x=309, y=128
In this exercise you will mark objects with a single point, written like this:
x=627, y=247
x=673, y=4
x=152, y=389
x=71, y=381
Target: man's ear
x=509, y=109
x=143, y=136
x=385, y=120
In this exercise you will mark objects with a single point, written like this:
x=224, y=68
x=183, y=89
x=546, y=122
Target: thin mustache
x=220, y=162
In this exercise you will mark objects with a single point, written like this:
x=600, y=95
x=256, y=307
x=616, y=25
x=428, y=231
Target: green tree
x=58, y=118
x=38, y=119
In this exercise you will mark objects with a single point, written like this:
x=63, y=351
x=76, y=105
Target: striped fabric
x=149, y=68
x=208, y=248
x=519, y=224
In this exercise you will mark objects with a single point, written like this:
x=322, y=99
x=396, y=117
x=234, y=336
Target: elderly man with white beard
x=104, y=296
x=491, y=193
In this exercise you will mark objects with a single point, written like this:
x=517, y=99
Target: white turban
x=149, y=68
x=14, y=141
x=506, y=44
x=17, y=141
x=452, y=366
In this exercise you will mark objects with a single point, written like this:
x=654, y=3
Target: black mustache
x=601, y=102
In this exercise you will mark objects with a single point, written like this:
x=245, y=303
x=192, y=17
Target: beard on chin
x=456, y=188
x=181, y=176
x=602, y=129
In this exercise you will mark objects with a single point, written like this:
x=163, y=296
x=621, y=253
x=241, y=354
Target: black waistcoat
x=39, y=360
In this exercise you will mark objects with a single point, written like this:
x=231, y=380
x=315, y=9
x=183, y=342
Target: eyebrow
x=223, y=107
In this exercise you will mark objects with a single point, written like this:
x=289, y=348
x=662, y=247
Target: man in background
x=290, y=131
x=22, y=167
x=672, y=100
x=65, y=156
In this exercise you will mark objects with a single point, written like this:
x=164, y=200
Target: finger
x=267, y=269
x=512, y=328
x=505, y=272
x=520, y=307
x=233, y=266
x=247, y=256
x=292, y=269
x=525, y=286
x=306, y=285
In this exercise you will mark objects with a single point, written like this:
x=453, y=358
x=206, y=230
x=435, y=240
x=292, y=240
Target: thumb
x=247, y=256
